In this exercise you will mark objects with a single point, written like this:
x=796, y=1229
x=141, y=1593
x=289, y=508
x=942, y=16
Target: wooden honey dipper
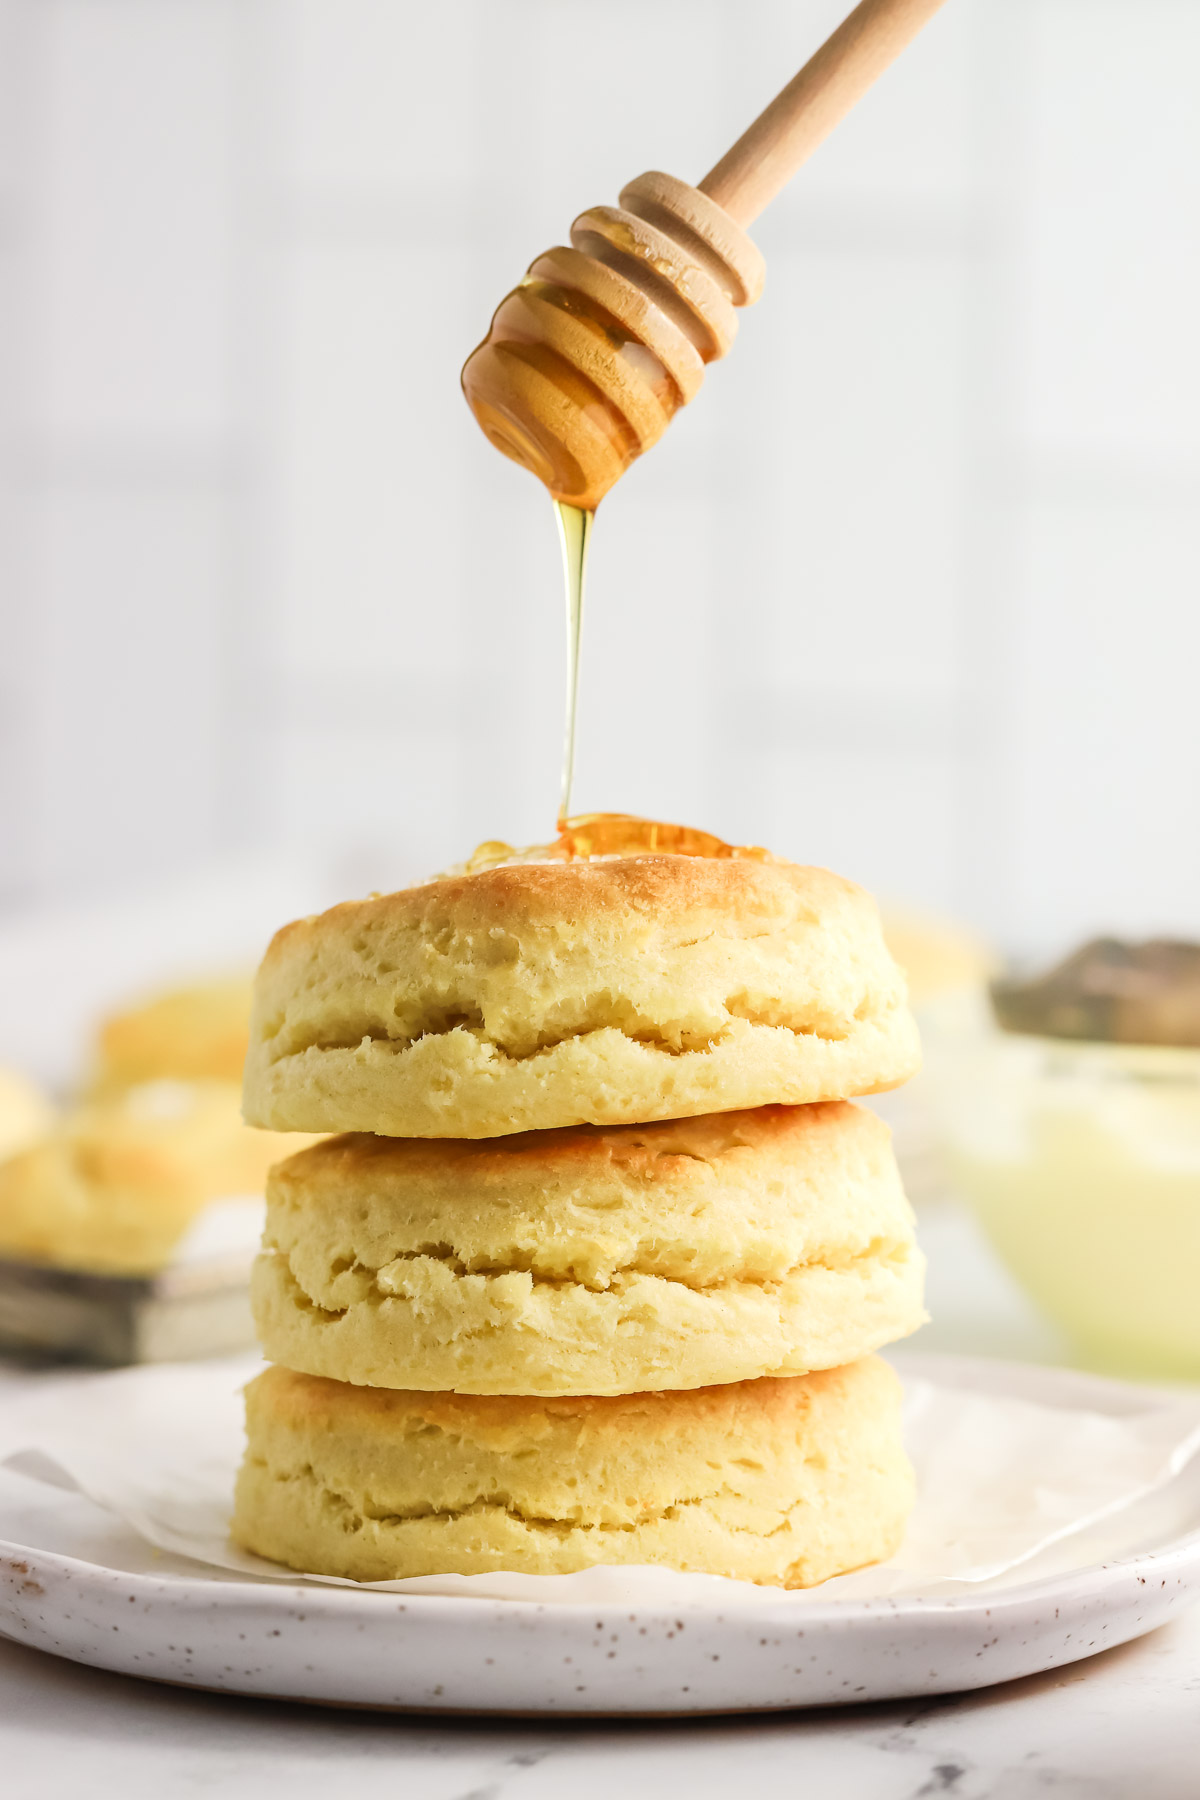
x=590, y=357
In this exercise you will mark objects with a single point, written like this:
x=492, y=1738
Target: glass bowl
x=1082, y=1163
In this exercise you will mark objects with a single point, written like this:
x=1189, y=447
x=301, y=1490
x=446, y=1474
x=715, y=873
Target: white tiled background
x=913, y=589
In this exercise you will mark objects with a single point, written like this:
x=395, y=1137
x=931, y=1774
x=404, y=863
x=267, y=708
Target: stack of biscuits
x=594, y=1270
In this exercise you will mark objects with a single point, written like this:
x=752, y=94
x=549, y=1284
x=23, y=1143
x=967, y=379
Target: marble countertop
x=1121, y=1726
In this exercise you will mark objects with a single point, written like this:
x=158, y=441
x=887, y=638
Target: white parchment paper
x=1001, y=1479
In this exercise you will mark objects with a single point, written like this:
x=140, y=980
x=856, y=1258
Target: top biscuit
x=604, y=992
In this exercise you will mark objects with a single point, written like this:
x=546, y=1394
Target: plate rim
x=1076, y=1582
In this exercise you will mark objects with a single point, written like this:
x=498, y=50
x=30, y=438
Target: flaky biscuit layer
x=783, y=1482
x=591, y=1261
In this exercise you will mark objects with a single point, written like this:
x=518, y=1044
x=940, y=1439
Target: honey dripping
x=608, y=834
x=575, y=531
x=575, y=394
x=590, y=356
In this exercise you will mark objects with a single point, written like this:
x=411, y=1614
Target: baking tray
x=50, y=1314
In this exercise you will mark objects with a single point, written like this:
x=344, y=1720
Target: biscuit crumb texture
x=590, y=1260
x=783, y=1481
x=544, y=995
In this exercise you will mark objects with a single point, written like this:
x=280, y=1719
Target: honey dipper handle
x=765, y=157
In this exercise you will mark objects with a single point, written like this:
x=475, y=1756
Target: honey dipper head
x=588, y=359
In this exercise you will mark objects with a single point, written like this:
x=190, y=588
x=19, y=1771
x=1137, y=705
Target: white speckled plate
x=79, y=1583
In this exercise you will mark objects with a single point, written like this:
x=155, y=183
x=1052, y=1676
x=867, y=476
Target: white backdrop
x=913, y=589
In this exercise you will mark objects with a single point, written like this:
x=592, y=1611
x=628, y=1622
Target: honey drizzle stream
x=575, y=532
x=601, y=834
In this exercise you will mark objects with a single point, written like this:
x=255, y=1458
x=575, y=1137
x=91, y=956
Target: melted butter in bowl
x=1080, y=1154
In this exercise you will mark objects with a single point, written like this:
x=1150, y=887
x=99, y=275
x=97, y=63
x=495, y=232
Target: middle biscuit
x=588, y=1260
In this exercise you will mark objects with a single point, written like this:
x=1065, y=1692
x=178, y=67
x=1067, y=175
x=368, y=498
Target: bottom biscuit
x=784, y=1481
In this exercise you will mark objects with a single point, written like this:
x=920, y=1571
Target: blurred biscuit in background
x=116, y=1183
x=947, y=968
x=194, y=1033
x=26, y=1113
x=938, y=956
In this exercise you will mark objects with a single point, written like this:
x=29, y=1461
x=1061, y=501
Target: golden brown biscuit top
x=508, y=1421
x=680, y=893
x=668, y=949
x=669, y=1150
